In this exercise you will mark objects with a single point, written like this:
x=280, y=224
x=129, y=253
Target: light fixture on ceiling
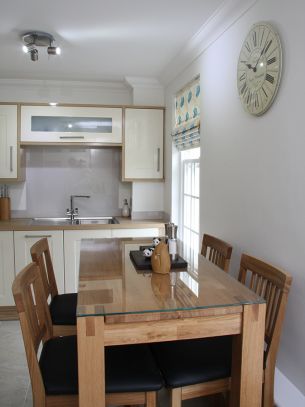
x=35, y=39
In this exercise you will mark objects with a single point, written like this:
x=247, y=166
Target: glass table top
x=109, y=283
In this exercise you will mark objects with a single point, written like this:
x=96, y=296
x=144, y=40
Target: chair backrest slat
x=217, y=251
x=40, y=253
x=273, y=285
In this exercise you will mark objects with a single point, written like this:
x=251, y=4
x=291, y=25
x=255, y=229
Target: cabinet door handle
x=36, y=236
x=69, y=137
x=158, y=161
x=11, y=159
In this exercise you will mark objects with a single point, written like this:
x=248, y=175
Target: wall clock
x=259, y=68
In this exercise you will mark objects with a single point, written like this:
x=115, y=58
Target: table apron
x=172, y=330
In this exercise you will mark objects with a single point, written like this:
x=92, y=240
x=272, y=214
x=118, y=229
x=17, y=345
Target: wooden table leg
x=247, y=359
x=91, y=377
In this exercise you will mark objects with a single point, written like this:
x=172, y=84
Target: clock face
x=259, y=68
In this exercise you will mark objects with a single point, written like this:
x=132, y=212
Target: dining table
x=121, y=303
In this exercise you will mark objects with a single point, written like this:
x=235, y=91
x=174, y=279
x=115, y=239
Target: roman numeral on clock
x=254, y=37
x=271, y=61
x=243, y=88
x=242, y=77
x=270, y=78
x=267, y=46
x=264, y=92
x=256, y=101
x=248, y=47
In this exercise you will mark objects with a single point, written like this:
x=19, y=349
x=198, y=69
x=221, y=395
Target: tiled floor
x=15, y=390
x=14, y=376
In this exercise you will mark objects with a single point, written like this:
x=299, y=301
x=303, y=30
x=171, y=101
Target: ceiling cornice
x=143, y=82
x=66, y=84
x=223, y=18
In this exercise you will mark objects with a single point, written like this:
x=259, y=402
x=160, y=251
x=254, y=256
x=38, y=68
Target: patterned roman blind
x=186, y=133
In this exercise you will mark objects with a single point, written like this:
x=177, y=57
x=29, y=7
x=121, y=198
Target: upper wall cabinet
x=143, y=144
x=9, y=154
x=71, y=124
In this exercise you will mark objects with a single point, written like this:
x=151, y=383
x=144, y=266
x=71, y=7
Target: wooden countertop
x=124, y=223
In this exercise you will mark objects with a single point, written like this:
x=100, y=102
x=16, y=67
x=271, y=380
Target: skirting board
x=285, y=393
x=8, y=313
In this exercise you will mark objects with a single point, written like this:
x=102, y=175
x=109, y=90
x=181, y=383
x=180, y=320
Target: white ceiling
x=100, y=40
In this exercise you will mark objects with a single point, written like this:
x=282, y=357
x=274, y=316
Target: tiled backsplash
x=55, y=173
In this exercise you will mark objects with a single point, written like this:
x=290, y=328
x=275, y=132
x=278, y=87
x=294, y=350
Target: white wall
x=253, y=168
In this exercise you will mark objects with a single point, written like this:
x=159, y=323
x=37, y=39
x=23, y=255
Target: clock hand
x=262, y=51
x=249, y=66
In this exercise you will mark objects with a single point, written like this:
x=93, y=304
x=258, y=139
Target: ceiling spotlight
x=54, y=50
x=34, y=55
x=35, y=39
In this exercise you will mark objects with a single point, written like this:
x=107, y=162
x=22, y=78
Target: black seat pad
x=129, y=368
x=183, y=363
x=63, y=309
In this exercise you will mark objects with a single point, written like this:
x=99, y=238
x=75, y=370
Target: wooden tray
x=143, y=263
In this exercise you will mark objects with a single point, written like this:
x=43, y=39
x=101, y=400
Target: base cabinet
x=149, y=232
x=7, y=269
x=25, y=239
x=72, y=242
x=65, y=250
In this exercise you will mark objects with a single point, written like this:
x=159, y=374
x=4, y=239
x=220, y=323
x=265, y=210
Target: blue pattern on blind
x=186, y=133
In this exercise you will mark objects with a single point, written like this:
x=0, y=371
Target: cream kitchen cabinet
x=25, y=239
x=9, y=157
x=7, y=268
x=72, y=240
x=143, y=144
x=71, y=124
x=148, y=232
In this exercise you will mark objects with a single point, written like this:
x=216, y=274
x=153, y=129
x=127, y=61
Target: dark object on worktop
x=5, y=208
x=144, y=263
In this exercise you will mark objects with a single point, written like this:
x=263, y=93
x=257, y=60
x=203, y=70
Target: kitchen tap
x=73, y=212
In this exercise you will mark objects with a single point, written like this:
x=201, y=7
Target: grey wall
x=253, y=168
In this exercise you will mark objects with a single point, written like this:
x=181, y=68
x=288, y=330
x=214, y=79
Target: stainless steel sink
x=98, y=220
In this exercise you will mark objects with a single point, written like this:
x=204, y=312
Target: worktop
x=16, y=224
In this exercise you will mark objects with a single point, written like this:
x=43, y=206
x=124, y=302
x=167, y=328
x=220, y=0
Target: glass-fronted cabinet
x=62, y=124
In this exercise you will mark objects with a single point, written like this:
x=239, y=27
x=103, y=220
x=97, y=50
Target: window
x=189, y=211
x=186, y=137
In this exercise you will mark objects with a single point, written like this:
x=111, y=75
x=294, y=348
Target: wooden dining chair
x=62, y=306
x=273, y=285
x=131, y=374
x=202, y=367
x=217, y=251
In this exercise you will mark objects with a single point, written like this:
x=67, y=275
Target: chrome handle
x=69, y=137
x=158, y=162
x=11, y=158
x=36, y=236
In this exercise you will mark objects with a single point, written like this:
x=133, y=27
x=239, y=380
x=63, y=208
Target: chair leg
x=268, y=388
x=176, y=397
x=151, y=398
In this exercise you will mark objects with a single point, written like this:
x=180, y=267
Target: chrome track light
x=35, y=39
